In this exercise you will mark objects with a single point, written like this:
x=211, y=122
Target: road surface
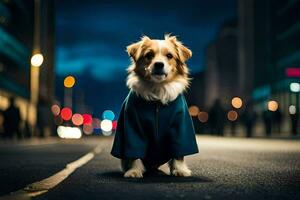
x=225, y=168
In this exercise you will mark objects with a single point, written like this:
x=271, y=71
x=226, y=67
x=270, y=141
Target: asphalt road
x=225, y=168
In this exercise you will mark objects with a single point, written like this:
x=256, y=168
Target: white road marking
x=40, y=187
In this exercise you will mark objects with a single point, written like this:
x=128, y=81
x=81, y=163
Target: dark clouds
x=94, y=33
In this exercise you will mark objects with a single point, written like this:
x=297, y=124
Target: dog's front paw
x=134, y=173
x=182, y=172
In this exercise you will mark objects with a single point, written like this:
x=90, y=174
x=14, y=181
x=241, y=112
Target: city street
x=225, y=168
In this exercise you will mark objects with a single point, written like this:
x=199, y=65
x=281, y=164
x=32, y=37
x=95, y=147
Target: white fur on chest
x=165, y=92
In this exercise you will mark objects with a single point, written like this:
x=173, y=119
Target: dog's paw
x=182, y=172
x=133, y=173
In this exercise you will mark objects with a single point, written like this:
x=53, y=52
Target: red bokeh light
x=87, y=119
x=66, y=113
x=114, y=125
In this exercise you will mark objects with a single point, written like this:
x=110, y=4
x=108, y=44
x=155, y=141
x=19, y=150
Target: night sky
x=92, y=35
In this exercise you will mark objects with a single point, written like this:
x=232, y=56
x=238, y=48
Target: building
x=24, y=28
x=268, y=46
x=221, y=66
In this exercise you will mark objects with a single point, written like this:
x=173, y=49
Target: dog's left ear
x=184, y=52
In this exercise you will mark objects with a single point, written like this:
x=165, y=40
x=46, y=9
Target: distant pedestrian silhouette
x=294, y=121
x=277, y=119
x=267, y=118
x=217, y=118
x=12, y=120
x=249, y=118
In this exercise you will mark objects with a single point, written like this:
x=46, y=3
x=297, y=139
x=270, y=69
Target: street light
x=37, y=60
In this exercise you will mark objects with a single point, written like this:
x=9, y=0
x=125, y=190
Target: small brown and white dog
x=158, y=73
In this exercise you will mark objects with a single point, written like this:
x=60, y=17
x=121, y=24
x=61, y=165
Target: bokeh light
x=37, y=60
x=232, y=115
x=55, y=109
x=69, y=132
x=114, y=125
x=203, y=116
x=272, y=106
x=292, y=109
x=237, y=102
x=87, y=119
x=295, y=87
x=66, y=113
x=108, y=114
x=88, y=129
x=106, y=125
x=77, y=119
x=69, y=81
x=194, y=110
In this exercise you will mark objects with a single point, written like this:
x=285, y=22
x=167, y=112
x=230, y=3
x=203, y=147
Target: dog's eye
x=170, y=56
x=149, y=55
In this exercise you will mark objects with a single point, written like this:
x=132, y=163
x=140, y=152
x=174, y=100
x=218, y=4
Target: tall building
x=18, y=38
x=268, y=47
x=287, y=50
x=221, y=66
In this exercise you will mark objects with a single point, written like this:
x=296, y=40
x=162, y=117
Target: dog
x=155, y=130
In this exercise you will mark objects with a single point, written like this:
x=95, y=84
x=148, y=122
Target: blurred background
x=63, y=64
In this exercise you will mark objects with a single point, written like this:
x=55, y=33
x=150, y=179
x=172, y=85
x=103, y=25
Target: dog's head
x=159, y=60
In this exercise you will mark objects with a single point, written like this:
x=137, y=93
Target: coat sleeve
x=130, y=140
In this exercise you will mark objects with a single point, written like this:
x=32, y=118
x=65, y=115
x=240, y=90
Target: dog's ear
x=133, y=49
x=183, y=52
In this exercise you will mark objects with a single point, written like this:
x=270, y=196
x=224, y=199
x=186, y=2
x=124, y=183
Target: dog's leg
x=179, y=167
x=135, y=169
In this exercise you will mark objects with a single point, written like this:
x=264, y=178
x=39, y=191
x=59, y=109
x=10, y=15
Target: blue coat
x=154, y=132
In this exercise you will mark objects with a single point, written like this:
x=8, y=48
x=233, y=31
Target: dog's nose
x=158, y=66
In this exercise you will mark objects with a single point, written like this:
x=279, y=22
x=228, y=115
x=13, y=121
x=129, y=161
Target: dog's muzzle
x=158, y=69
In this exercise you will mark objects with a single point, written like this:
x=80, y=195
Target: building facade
x=268, y=47
x=221, y=66
x=18, y=33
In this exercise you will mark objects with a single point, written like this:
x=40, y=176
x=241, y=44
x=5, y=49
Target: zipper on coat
x=157, y=119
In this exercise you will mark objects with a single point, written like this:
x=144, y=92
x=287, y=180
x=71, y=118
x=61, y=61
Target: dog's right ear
x=133, y=49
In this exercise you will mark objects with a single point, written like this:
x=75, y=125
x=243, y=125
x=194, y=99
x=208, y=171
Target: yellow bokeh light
x=37, y=60
x=272, y=106
x=232, y=115
x=203, y=117
x=69, y=81
x=237, y=102
x=194, y=110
